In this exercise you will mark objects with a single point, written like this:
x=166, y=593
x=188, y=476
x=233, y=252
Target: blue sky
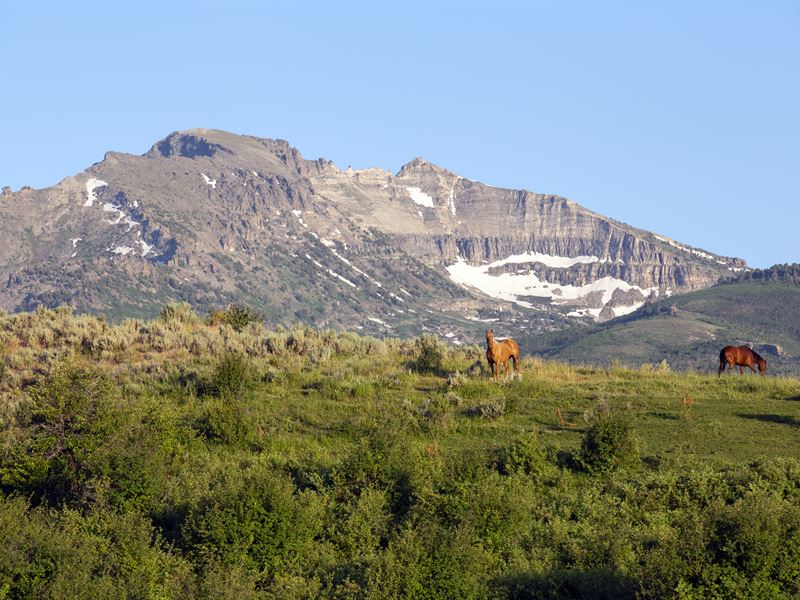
x=680, y=118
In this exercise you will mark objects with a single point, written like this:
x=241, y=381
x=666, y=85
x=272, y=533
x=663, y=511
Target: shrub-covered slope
x=187, y=457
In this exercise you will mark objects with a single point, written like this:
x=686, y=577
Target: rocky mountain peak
x=420, y=166
x=248, y=220
x=187, y=145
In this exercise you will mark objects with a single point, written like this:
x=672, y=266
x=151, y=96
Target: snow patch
x=625, y=310
x=451, y=201
x=704, y=255
x=510, y=286
x=146, y=248
x=209, y=181
x=420, y=197
x=331, y=272
x=123, y=250
x=122, y=218
x=91, y=186
x=297, y=214
x=558, y=262
x=376, y=320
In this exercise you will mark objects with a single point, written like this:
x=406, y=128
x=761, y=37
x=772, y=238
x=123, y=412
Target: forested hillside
x=210, y=457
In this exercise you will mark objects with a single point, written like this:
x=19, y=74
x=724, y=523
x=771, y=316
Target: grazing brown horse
x=498, y=353
x=740, y=356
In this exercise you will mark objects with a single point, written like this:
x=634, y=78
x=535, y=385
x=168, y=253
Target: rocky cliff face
x=214, y=218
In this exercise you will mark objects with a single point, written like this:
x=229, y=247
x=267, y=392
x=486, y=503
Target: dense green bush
x=430, y=354
x=525, y=455
x=610, y=441
x=231, y=376
x=179, y=313
x=237, y=316
x=257, y=520
x=48, y=553
x=71, y=421
x=225, y=420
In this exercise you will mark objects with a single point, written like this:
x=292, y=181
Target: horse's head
x=762, y=365
x=489, y=335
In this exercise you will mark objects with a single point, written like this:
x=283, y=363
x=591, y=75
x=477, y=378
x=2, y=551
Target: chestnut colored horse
x=740, y=356
x=499, y=352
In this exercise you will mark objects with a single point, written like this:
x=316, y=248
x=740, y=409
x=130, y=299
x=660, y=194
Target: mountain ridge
x=212, y=218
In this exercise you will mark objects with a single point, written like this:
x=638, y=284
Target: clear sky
x=682, y=118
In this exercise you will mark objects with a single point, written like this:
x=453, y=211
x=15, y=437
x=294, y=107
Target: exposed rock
x=213, y=218
x=773, y=349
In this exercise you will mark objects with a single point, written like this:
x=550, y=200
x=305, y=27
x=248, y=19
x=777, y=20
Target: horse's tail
x=723, y=360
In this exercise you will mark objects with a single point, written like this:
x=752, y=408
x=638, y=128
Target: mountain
x=689, y=330
x=213, y=218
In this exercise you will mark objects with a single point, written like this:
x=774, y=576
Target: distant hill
x=688, y=330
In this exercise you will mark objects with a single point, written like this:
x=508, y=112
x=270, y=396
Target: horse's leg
x=721, y=368
x=741, y=370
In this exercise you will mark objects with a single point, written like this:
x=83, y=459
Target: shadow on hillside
x=663, y=415
x=794, y=398
x=567, y=583
x=569, y=425
x=780, y=419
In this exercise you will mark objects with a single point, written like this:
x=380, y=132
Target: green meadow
x=210, y=457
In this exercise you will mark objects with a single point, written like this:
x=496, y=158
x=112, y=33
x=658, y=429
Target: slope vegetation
x=186, y=457
x=689, y=330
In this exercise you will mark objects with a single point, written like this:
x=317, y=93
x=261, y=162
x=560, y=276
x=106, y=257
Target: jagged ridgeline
x=213, y=218
x=186, y=457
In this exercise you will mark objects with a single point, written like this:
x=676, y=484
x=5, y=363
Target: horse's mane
x=756, y=354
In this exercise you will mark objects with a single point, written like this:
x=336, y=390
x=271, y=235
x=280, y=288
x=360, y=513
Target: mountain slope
x=214, y=218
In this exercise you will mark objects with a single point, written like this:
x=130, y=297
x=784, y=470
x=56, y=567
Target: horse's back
x=739, y=355
x=513, y=347
x=511, y=351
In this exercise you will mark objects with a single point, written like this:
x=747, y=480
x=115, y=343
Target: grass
x=690, y=339
x=335, y=468
x=730, y=419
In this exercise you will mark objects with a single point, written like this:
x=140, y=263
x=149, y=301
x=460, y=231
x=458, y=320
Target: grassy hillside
x=183, y=457
x=691, y=335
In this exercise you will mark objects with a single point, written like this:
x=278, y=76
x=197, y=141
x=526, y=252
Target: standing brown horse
x=740, y=356
x=500, y=352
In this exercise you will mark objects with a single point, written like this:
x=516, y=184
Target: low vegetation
x=689, y=330
x=211, y=457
